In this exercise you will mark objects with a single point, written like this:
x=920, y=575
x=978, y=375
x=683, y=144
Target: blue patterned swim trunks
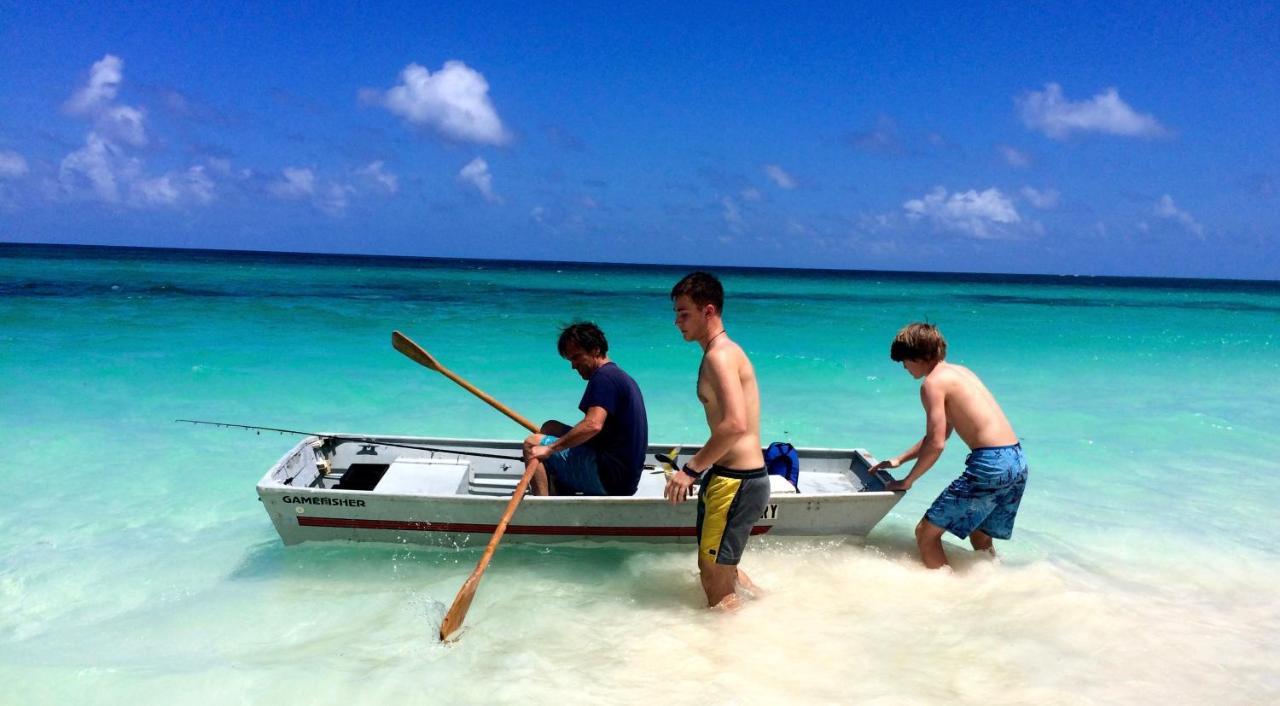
x=986, y=496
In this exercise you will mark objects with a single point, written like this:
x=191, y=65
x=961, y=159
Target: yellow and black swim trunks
x=729, y=504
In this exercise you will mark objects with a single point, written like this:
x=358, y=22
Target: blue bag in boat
x=782, y=460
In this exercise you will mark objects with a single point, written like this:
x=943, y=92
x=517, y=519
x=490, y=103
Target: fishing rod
x=354, y=439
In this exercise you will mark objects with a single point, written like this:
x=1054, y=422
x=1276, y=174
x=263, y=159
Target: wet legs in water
x=720, y=583
x=929, y=540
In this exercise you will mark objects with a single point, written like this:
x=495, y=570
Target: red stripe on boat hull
x=403, y=525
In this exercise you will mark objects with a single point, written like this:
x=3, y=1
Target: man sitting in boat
x=604, y=453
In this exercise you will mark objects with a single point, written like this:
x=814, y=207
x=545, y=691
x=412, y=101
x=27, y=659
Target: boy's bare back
x=970, y=408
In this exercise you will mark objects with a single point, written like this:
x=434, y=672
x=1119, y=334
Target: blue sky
x=1114, y=138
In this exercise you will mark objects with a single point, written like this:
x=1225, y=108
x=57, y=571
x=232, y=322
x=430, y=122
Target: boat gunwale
x=269, y=485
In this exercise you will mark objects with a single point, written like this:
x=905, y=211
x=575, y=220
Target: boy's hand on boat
x=678, y=487
x=885, y=465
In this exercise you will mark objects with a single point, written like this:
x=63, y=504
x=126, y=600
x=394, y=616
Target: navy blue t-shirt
x=621, y=444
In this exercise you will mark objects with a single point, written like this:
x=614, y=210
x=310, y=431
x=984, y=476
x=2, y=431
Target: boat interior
x=454, y=467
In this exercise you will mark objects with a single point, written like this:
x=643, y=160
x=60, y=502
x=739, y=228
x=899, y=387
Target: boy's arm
x=899, y=459
x=933, y=397
x=909, y=454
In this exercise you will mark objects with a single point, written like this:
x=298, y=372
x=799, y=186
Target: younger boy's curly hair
x=918, y=341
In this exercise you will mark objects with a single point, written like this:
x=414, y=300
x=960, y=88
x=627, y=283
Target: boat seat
x=779, y=485
x=422, y=476
x=493, y=480
x=362, y=476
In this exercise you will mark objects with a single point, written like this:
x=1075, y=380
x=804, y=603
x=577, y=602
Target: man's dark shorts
x=574, y=470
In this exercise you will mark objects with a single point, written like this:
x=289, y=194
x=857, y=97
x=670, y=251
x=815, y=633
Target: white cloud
x=333, y=199
x=731, y=214
x=883, y=138
x=96, y=170
x=12, y=165
x=192, y=186
x=1043, y=200
x=1048, y=112
x=453, y=101
x=221, y=165
x=1167, y=209
x=296, y=183
x=375, y=173
x=104, y=170
x=123, y=124
x=476, y=173
x=1013, y=157
x=751, y=194
x=779, y=176
x=95, y=100
x=301, y=183
x=979, y=214
x=161, y=190
x=104, y=82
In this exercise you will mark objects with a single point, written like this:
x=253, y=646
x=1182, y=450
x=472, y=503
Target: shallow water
x=136, y=563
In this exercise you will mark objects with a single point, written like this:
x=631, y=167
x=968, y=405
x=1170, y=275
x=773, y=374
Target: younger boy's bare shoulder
x=944, y=379
x=941, y=376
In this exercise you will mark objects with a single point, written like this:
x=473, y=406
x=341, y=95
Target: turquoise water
x=136, y=562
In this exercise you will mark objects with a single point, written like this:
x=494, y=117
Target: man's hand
x=678, y=487
x=903, y=485
x=538, y=452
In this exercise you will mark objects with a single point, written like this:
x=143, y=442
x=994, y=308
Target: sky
x=1094, y=139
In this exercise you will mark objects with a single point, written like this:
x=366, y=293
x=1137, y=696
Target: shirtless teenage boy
x=735, y=485
x=983, y=502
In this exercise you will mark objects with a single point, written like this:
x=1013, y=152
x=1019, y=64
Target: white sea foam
x=840, y=623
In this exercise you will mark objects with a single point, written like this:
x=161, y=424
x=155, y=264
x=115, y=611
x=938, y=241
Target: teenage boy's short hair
x=702, y=288
x=586, y=335
x=918, y=341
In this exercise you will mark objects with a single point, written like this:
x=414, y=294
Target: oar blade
x=402, y=343
x=451, y=626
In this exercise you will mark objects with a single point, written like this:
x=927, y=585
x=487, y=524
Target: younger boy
x=983, y=502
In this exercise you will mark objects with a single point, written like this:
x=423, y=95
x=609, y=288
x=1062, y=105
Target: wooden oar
x=402, y=343
x=452, y=623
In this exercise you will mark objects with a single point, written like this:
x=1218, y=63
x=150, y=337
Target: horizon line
x=678, y=266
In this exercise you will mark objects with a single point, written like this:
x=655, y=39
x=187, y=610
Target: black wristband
x=690, y=472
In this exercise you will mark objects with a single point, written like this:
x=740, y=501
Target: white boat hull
x=452, y=498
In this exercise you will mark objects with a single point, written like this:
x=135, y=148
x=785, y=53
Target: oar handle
x=416, y=353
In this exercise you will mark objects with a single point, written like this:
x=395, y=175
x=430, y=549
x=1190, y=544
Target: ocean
x=137, y=565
